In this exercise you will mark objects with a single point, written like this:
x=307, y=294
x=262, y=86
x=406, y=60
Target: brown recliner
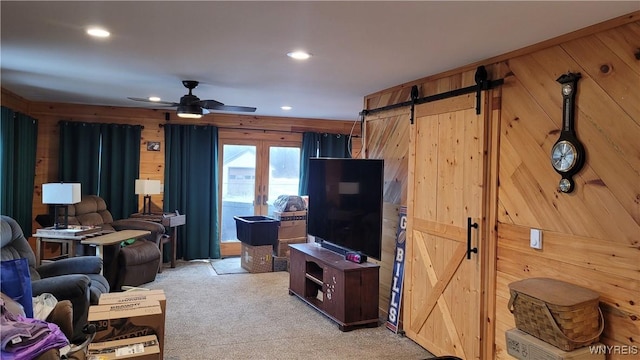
x=131, y=265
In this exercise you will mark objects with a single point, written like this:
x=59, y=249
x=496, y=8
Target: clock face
x=564, y=185
x=563, y=156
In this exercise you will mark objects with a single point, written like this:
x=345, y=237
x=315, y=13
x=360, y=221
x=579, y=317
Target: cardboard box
x=293, y=224
x=526, y=347
x=280, y=263
x=128, y=320
x=292, y=217
x=137, y=295
x=282, y=249
x=290, y=232
x=257, y=259
x=139, y=348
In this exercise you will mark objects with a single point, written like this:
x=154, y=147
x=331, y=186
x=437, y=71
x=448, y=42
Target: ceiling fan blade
x=166, y=103
x=210, y=104
x=233, y=108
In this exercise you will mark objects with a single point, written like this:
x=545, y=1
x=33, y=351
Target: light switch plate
x=535, y=240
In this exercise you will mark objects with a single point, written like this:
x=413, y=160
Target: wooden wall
x=386, y=138
x=591, y=237
x=152, y=162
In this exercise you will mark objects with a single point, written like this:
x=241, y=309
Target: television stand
x=344, y=291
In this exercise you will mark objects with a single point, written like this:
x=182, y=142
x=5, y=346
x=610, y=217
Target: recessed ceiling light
x=98, y=32
x=286, y=107
x=154, y=98
x=299, y=55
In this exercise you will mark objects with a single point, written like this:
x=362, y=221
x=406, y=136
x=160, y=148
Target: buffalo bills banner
x=393, y=317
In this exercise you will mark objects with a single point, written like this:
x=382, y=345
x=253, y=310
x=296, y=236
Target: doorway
x=253, y=173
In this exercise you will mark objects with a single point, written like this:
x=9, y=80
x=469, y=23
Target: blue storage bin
x=257, y=230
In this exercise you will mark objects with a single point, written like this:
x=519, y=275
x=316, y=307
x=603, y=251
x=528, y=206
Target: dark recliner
x=75, y=279
x=132, y=265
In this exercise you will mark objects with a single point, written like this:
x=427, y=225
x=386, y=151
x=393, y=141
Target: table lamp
x=61, y=194
x=147, y=188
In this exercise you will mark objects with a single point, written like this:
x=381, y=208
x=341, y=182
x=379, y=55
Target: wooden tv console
x=344, y=291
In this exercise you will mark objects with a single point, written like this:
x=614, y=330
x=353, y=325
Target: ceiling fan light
x=189, y=116
x=189, y=111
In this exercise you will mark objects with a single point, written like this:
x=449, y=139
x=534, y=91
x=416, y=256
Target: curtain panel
x=105, y=159
x=320, y=145
x=119, y=168
x=79, y=155
x=18, y=143
x=191, y=187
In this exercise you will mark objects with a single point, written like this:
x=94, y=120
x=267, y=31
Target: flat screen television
x=345, y=204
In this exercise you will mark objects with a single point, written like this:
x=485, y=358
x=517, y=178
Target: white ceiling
x=236, y=49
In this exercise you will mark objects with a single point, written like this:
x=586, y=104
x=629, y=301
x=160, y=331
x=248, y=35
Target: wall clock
x=567, y=154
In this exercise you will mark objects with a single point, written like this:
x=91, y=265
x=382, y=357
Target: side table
x=67, y=238
x=170, y=221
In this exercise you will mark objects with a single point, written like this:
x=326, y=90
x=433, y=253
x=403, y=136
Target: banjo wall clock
x=567, y=154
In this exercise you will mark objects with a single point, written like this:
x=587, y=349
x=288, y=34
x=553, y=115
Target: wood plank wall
x=386, y=137
x=591, y=237
x=152, y=162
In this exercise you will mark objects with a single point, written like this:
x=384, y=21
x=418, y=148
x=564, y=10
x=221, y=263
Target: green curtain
x=18, y=144
x=191, y=187
x=79, y=155
x=105, y=159
x=334, y=145
x=119, y=168
x=320, y=145
x=310, y=146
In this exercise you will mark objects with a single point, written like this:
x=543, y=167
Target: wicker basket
x=564, y=315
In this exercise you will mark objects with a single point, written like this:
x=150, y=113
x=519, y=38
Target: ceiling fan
x=190, y=106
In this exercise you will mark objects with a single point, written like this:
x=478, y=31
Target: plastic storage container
x=257, y=230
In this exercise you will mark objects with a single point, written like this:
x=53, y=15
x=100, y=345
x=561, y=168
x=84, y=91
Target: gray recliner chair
x=76, y=279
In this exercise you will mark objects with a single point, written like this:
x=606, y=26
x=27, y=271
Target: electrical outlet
x=535, y=240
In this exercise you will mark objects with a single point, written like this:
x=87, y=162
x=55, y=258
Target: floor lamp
x=147, y=188
x=61, y=194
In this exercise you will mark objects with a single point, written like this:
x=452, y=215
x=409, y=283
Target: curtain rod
x=60, y=121
x=268, y=131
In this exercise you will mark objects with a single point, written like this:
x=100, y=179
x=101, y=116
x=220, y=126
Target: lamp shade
x=61, y=193
x=147, y=187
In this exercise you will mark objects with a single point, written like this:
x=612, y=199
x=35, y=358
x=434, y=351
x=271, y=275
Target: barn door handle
x=469, y=249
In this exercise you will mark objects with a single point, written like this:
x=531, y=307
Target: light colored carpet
x=252, y=316
x=230, y=265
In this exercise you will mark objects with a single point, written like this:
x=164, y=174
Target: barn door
x=445, y=196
